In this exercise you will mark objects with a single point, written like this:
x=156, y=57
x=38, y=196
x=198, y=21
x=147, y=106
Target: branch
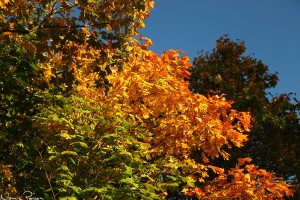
x=21, y=31
x=36, y=28
x=48, y=15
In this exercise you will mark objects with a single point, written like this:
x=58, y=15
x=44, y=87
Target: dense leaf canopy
x=275, y=137
x=89, y=112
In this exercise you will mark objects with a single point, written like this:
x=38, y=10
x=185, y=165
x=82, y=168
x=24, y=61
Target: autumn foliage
x=112, y=119
x=274, y=138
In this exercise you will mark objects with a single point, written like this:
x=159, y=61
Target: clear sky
x=270, y=29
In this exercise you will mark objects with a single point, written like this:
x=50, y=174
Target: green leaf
x=76, y=189
x=128, y=170
x=65, y=134
x=82, y=144
x=126, y=124
x=129, y=181
x=68, y=153
x=189, y=181
x=94, y=189
x=68, y=198
x=151, y=187
x=55, y=117
x=63, y=167
x=65, y=182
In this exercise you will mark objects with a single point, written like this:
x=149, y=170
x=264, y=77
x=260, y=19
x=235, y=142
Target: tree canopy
x=274, y=138
x=89, y=112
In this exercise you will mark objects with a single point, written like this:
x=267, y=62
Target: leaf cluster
x=89, y=112
x=274, y=139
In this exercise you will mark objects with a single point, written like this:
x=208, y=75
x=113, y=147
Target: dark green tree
x=20, y=82
x=274, y=141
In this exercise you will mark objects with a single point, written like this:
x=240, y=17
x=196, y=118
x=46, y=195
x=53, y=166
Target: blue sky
x=270, y=29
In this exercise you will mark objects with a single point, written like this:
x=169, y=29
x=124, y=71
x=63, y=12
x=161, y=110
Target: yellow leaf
x=250, y=192
x=247, y=177
x=64, y=134
x=3, y=3
x=108, y=27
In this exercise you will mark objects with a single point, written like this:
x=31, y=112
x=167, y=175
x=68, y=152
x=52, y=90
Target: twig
x=48, y=177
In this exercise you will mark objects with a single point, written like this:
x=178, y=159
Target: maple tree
x=67, y=27
x=274, y=139
x=89, y=112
